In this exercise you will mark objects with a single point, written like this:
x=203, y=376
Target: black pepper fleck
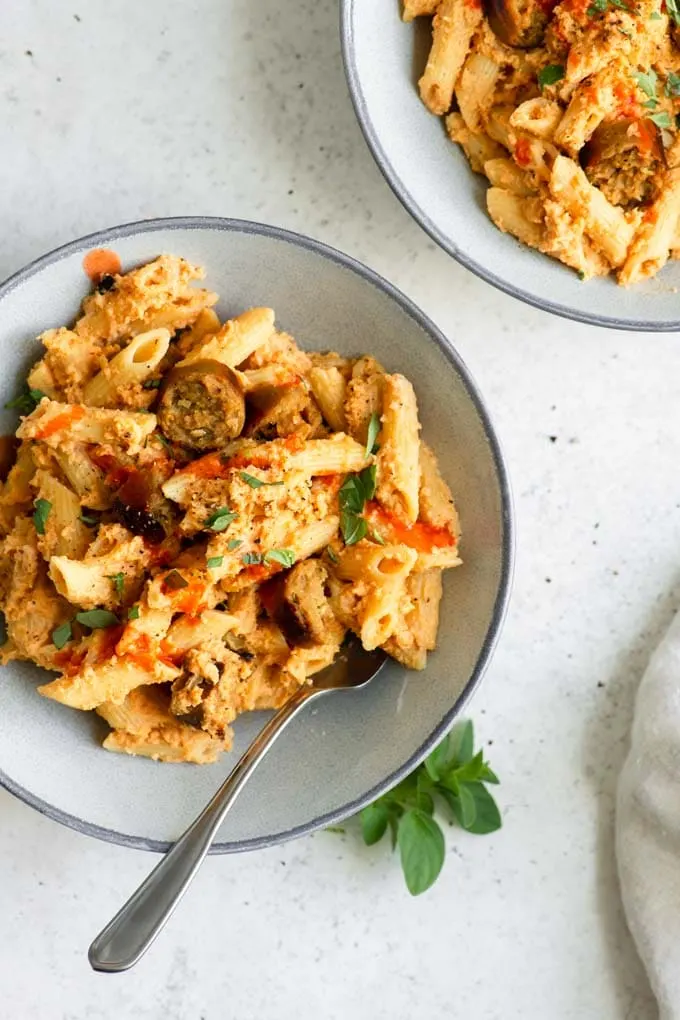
x=106, y=283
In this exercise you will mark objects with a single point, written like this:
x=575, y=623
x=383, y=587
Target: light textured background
x=239, y=107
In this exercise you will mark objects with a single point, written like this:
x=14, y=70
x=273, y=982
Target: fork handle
x=127, y=937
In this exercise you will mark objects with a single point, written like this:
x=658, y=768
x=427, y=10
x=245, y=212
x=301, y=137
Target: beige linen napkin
x=648, y=824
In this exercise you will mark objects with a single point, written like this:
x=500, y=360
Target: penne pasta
x=453, y=27
x=236, y=340
x=177, y=569
x=398, y=457
x=135, y=363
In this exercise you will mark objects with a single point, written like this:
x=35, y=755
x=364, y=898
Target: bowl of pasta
x=536, y=142
x=228, y=448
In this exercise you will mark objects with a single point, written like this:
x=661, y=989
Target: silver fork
x=127, y=937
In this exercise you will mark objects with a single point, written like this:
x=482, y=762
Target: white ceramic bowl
x=430, y=175
x=354, y=745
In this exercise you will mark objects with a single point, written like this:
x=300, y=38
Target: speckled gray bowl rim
x=445, y=242
x=103, y=237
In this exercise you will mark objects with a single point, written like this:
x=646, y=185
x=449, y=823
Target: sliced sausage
x=624, y=159
x=201, y=405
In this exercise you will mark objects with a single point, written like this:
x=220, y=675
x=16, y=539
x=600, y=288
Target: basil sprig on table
x=452, y=777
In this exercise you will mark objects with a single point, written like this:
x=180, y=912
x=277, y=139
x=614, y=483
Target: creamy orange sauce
x=101, y=262
x=420, y=536
x=61, y=421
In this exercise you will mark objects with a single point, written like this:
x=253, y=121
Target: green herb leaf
x=662, y=120
x=672, y=85
x=353, y=528
x=373, y=430
x=487, y=816
x=253, y=482
x=456, y=775
x=651, y=104
x=550, y=75
x=161, y=438
x=647, y=81
x=470, y=771
x=421, y=847
x=332, y=555
x=151, y=384
x=118, y=583
x=251, y=559
x=367, y=478
x=487, y=775
x=133, y=612
x=61, y=635
x=438, y=761
x=97, y=619
x=174, y=581
x=286, y=557
x=26, y=401
x=234, y=543
x=41, y=513
x=351, y=495
x=221, y=519
x=673, y=10
x=215, y=561
x=376, y=536
x=88, y=519
x=374, y=821
x=464, y=807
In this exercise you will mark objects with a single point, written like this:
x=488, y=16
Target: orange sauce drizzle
x=101, y=262
x=420, y=536
x=61, y=421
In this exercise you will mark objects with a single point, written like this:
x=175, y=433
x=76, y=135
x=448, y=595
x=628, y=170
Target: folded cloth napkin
x=648, y=824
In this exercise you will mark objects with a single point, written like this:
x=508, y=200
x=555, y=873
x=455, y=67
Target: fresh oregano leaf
x=214, y=561
x=118, y=583
x=97, y=619
x=466, y=810
x=174, y=581
x=133, y=612
x=26, y=401
x=62, y=635
x=40, y=514
x=221, y=519
x=462, y=742
x=286, y=557
x=550, y=75
x=374, y=822
x=251, y=559
x=373, y=430
x=487, y=816
x=421, y=848
x=353, y=528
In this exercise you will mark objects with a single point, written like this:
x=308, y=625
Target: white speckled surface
x=236, y=107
